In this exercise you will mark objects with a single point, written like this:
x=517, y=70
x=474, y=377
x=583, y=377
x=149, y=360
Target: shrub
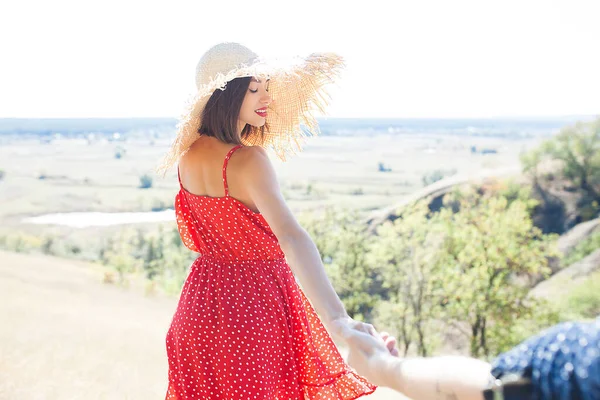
x=436, y=175
x=145, y=181
x=583, y=301
x=120, y=152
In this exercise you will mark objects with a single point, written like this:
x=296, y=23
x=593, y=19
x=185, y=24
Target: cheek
x=247, y=111
x=246, y=107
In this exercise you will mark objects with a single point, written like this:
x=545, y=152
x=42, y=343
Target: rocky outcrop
x=563, y=281
x=569, y=240
x=436, y=192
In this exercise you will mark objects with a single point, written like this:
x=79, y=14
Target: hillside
x=66, y=335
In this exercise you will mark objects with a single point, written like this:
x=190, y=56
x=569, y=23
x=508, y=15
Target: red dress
x=243, y=329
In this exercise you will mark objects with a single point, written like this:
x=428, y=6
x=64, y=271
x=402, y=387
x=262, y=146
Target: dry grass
x=87, y=177
x=65, y=335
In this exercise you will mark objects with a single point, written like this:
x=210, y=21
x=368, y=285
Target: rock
x=562, y=282
x=579, y=232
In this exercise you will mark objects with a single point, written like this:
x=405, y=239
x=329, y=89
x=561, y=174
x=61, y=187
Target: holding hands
x=375, y=357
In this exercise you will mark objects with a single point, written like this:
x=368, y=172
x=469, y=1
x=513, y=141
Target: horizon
x=499, y=117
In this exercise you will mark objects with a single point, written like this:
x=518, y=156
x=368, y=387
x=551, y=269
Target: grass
x=583, y=301
x=68, y=336
x=65, y=335
x=80, y=176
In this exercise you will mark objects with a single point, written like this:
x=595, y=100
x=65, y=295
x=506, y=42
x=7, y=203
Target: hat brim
x=298, y=93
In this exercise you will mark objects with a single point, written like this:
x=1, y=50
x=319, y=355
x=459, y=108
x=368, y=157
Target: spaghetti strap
x=227, y=157
x=179, y=178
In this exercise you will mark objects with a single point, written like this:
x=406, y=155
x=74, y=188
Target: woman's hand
x=345, y=327
x=374, y=358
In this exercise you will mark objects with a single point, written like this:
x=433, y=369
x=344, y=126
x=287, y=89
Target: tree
x=408, y=252
x=343, y=243
x=491, y=248
x=577, y=149
x=466, y=267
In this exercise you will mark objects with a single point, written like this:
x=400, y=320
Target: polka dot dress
x=243, y=329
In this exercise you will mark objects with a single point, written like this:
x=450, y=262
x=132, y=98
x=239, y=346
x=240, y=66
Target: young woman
x=243, y=329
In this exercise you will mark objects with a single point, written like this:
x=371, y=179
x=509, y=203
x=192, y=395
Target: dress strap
x=227, y=157
x=179, y=178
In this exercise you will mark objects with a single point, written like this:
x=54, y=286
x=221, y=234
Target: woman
x=243, y=329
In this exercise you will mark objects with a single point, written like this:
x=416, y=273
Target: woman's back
x=200, y=170
x=210, y=220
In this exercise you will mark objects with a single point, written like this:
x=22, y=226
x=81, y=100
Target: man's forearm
x=442, y=378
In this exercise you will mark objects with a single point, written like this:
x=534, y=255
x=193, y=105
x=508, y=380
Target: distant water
x=89, y=219
x=501, y=127
x=505, y=127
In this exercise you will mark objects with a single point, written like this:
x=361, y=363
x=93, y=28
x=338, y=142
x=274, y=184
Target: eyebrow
x=258, y=80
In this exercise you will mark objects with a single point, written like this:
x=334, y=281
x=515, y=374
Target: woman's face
x=254, y=106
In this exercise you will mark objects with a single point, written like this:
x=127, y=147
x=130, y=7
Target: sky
x=404, y=59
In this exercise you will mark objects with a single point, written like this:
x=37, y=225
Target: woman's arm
x=301, y=253
x=438, y=378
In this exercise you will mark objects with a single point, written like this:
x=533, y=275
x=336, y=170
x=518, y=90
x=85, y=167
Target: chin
x=258, y=123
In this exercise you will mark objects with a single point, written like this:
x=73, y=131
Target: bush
x=20, y=242
x=2, y=173
x=436, y=175
x=159, y=205
x=145, y=181
x=584, y=301
x=120, y=152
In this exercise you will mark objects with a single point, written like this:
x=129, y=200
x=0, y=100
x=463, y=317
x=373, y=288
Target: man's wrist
x=389, y=368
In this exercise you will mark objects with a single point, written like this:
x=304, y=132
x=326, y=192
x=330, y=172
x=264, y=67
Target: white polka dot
x=243, y=329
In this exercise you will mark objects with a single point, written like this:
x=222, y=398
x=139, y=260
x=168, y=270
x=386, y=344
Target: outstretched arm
x=301, y=253
x=420, y=378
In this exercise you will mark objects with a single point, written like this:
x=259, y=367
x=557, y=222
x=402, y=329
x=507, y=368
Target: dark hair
x=221, y=113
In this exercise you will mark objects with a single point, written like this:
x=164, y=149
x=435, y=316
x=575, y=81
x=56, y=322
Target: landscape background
x=92, y=293
x=453, y=194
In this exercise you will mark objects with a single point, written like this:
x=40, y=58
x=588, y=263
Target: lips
x=261, y=111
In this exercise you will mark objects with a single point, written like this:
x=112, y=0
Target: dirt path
x=66, y=335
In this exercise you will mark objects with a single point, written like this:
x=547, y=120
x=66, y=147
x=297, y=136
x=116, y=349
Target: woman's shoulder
x=252, y=151
x=251, y=162
x=251, y=156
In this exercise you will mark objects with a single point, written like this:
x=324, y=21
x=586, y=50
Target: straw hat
x=296, y=88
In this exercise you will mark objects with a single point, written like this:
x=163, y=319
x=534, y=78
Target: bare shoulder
x=262, y=188
x=252, y=162
x=249, y=154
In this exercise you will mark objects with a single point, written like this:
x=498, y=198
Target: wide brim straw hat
x=297, y=88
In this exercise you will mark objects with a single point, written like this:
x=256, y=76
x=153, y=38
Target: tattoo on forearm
x=440, y=395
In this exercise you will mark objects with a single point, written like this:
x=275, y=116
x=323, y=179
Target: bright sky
x=459, y=58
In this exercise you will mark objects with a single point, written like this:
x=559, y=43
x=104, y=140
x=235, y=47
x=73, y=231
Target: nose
x=266, y=98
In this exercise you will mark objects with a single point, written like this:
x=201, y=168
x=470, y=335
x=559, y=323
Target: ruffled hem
x=347, y=385
x=298, y=358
